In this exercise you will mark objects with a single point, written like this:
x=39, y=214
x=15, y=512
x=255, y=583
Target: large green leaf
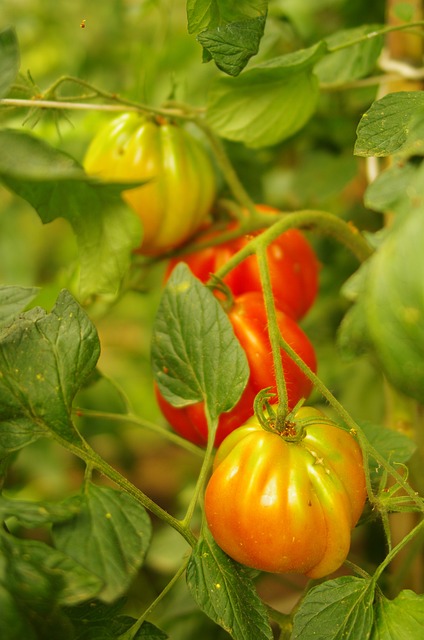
x=230, y=33
x=399, y=619
x=352, y=62
x=336, y=610
x=195, y=355
x=267, y=103
x=13, y=300
x=384, y=128
x=56, y=186
x=44, y=360
x=224, y=591
x=9, y=59
x=109, y=536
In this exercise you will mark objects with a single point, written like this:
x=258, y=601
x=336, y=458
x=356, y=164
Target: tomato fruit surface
x=287, y=507
x=293, y=266
x=177, y=200
x=249, y=321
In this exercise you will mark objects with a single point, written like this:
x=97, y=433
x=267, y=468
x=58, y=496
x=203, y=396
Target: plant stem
x=376, y=33
x=274, y=334
x=388, y=559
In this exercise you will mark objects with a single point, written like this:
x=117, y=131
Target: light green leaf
x=336, y=610
x=195, y=355
x=269, y=102
x=13, y=300
x=230, y=33
x=109, y=536
x=223, y=590
x=399, y=619
x=353, y=62
x=44, y=360
x=56, y=186
x=384, y=128
x=9, y=59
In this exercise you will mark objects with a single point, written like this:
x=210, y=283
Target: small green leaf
x=230, y=33
x=44, y=360
x=9, y=59
x=384, y=128
x=223, y=590
x=35, y=514
x=391, y=445
x=353, y=62
x=195, y=355
x=336, y=610
x=109, y=536
x=390, y=190
x=55, y=185
x=403, y=10
x=269, y=102
x=13, y=300
x=399, y=619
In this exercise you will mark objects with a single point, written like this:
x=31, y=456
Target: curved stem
x=387, y=560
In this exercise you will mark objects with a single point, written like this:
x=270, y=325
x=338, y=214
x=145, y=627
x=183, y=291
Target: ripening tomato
x=177, y=200
x=292, y=262
x=248, y=318
x=287, y=506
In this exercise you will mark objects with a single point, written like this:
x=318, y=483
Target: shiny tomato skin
x=177, y=201
x=286, y=507
x=248, y=318
x=293, y=266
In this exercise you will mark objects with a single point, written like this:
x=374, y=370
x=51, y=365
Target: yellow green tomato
x=178, y=199
x=283, y=505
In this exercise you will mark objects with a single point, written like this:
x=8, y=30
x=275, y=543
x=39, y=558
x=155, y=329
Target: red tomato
x=287, y=507
x=248, y=317
x=292, y=263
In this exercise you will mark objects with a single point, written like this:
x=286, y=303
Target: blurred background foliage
x=141, y=50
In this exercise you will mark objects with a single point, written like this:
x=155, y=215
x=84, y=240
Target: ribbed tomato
x=248, y=318
x=287, y=506
x=292, y=262
x=177, y=201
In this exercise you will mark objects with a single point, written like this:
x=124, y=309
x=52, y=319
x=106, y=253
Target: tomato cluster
x=294, y=272
x=180, y=180
x=287, y=505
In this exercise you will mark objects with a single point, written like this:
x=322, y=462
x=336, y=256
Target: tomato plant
x=248, y=318
x=180, y=189
x=293, y=266
x=287, y=505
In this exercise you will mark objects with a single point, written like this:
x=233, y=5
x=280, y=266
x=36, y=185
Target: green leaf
x=399, y=619
x=230, y=33
x=13, y=300
x=352, y=62
x=336, y=610
x=384, y=128
x=44, y=360
x=393, y=446
x=35, y=514
x=9, y=59
x=391, y=190
x=109, y=536
x=223, y=590
x=195, y=355
x=269, y=102
x=56, y=186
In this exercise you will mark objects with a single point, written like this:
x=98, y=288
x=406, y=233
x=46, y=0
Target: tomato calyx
x=277, y=421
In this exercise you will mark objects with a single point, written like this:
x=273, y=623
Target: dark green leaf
x=15, y=434
x=352, y=62
x=195, y=355
x=34, y=514
x=392, y=445
x=269, y=102
x=56, y=186
x=384, y=128
x=13, y=300
x=44, y=359
x=9, y=59
x=223, y=590
x=109, y=536
x=230, y=33
x=399, y=619
x=338, y=609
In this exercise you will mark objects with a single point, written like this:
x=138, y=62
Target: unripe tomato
x=249, y=321
x=292, y=263
x=177, y=201
x=283, y=506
